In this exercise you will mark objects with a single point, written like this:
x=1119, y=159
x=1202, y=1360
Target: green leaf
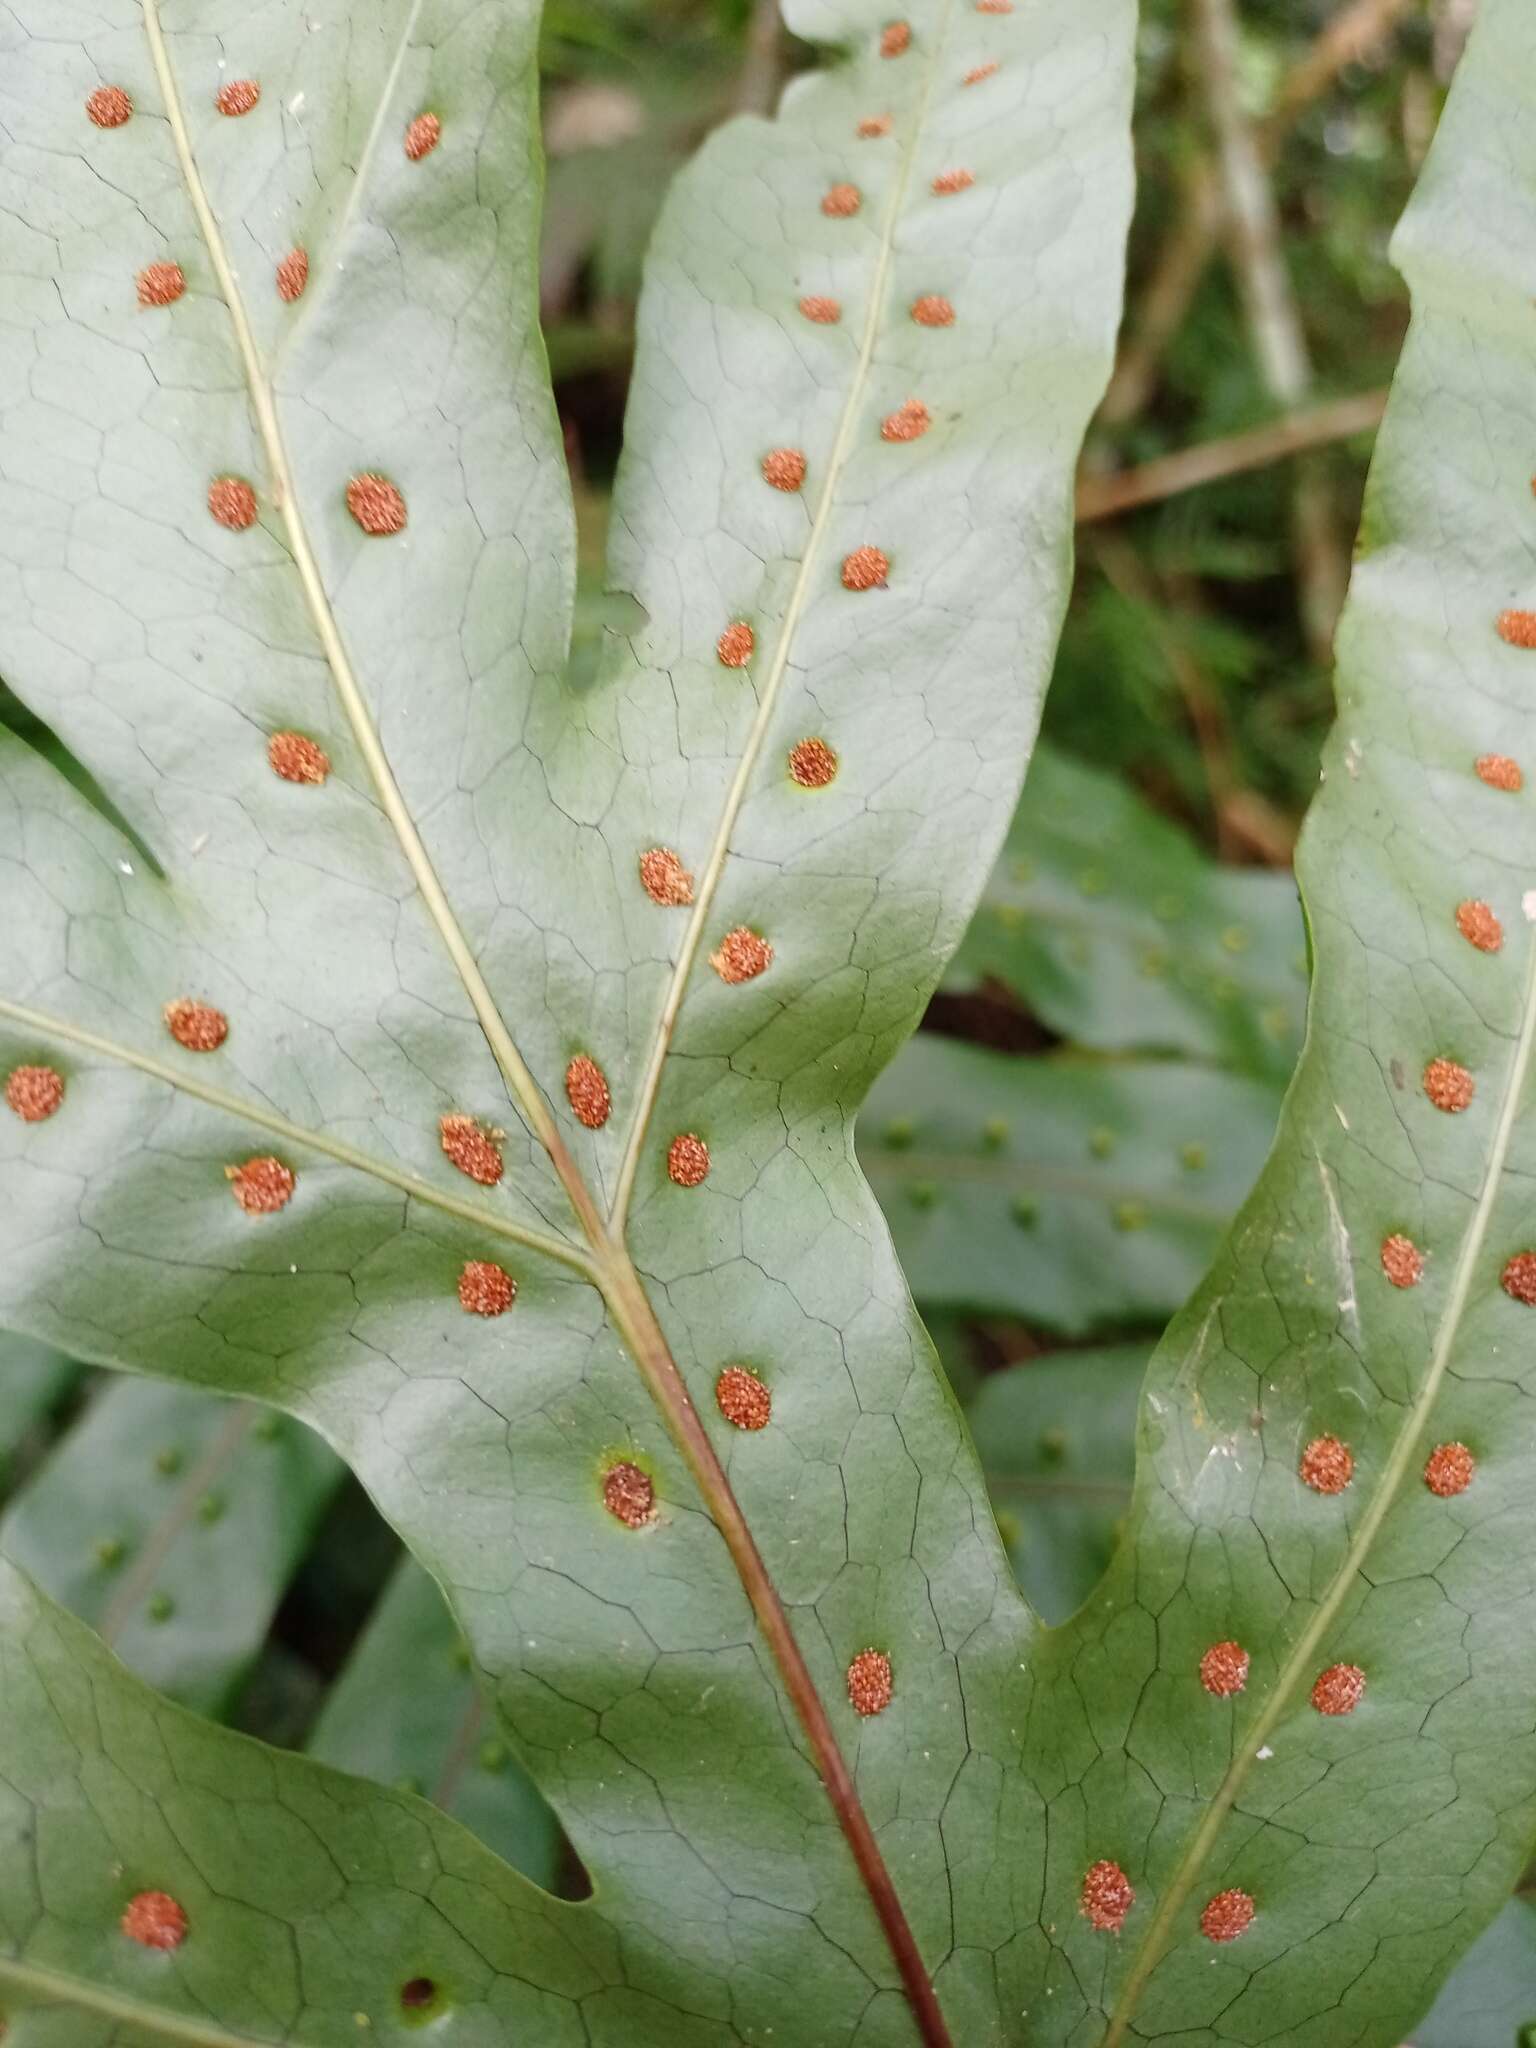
x=1373, y=1843
x=173, y=1523
x=34, y=1379
x=1075, y=1194
x=406, y=1711
x=1108, y=922
x=1057, y=1438
x=457, y=912
x=1490, y=2000
x=312, y=1900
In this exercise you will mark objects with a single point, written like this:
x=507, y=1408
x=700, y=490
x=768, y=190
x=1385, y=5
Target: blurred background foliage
x=1096, y=1083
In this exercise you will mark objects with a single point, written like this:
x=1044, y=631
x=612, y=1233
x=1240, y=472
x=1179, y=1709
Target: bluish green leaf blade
x=311, y=1898
x=406, y=1710
x=458, y=911
x=1489, y=2001
x=1057, y=1438
x=173, y=1522
x=1373, y=1832
x=1078, y=1195
x=1105, y=919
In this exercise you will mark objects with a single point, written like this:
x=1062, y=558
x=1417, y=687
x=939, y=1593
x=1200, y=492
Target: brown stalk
x=1126, y=490
x=1166, y=297
x=1271, y=313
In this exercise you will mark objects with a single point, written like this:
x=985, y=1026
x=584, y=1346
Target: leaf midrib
x=799, y=598
x=524, y=1089
x=176, y=2029
x=610, y=1266
x=279, y=1127
x=1294, y=1671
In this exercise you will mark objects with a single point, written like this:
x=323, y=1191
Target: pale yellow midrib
x=1298, y=1664
x=524, y=1089
x=714, y=866
x=296, y=1134
x=54, y=1988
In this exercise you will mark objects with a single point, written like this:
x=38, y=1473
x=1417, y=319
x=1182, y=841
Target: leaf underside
x=370, y=976
x=456, y=913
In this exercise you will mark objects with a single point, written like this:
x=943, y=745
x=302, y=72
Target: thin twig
x=1245, y=822
x=1102, y=497
x=1170, y=288
x=1271, y=313
x=762, y=64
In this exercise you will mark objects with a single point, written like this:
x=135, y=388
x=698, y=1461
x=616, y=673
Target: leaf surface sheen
x=455, y=914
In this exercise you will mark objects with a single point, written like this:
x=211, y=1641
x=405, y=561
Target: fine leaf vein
x=524, y=1090
x=714, y=866
x=1298, y=1664
x=295, y=1134
x=178, y=2030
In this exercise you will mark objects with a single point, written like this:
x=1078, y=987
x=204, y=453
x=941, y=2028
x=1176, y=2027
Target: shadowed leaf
x=1075, y=1194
